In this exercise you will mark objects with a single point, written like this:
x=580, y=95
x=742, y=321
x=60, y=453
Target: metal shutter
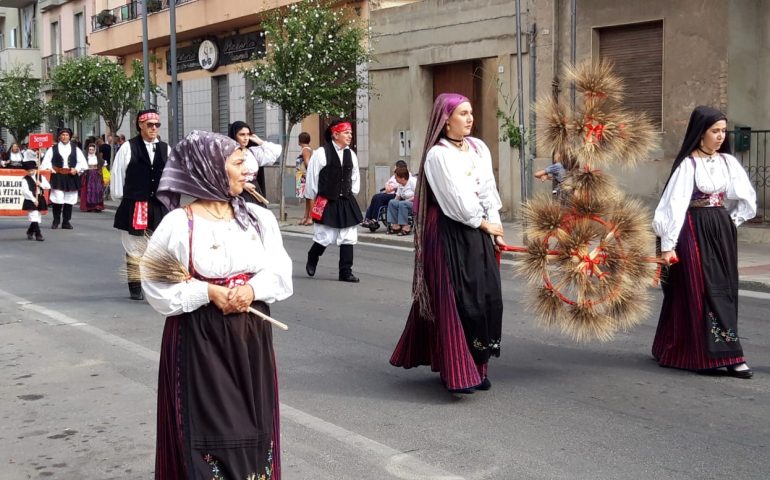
x=637, y=51
x=222, y=116
x=180, y=111
x=259, y=119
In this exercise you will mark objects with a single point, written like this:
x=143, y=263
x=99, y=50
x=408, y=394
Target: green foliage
x=310, y=66
x=22, y=109
x=96, y=85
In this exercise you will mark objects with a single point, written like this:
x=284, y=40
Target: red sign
x=40, y=140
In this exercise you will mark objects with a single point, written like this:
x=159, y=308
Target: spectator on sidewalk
x=381, y=199
x=400, y=208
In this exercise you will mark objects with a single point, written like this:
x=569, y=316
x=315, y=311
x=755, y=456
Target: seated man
x=381, y=199
x=400, y=207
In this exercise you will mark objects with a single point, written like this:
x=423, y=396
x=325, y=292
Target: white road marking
x=753, y=294
x=398, y=464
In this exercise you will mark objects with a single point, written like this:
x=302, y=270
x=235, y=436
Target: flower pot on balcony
x=153, y=6
x=105, y=18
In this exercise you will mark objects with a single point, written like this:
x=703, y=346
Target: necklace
x=707, y=153
x=457, y=143
x=218, y=217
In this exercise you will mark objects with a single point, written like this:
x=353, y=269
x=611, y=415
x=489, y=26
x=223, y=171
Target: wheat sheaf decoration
x=159, y=265
x=589, y=254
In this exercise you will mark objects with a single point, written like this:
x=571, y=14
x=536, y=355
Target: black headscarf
x=701, y=119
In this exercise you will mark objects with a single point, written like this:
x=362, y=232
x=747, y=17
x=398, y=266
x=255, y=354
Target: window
x=180, y=111
x=12, y=39
x=637, y=51
x=55, y=40
x=220, y=108
x=79, y=25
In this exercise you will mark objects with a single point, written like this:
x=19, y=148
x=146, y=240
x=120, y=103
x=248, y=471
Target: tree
x=96, y=85
x=312, y=65
x=22, y=108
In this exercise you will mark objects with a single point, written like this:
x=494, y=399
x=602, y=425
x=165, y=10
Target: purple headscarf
x=196, y=167
x=443, y=106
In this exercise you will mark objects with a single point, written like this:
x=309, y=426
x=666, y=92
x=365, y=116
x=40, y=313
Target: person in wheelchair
x=400, y=208
x=380, y=200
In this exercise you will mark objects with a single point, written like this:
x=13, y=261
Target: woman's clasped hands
x=231, y=300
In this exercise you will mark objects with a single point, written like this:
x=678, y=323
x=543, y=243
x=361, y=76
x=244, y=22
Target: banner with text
x=11, y=197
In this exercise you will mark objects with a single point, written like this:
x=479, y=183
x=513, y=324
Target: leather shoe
x=137, y=295
x=310, y=268
x=349, y=277
x=66, y=226
x=54, y=225
x=464, y=391
x=732, y=372
x=484, y=385
x=29, y=236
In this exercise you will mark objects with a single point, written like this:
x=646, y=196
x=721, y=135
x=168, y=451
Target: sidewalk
x=753, y=243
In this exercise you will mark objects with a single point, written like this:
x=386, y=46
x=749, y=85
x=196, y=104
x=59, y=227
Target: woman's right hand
x=219, y=296
x=494, y=229
x=669, y=257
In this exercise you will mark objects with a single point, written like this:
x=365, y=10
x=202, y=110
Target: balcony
x=46, y=5
x=49, y=64
x=16, y=3
x=130, y=11
x=76, y=52
x=11, y=57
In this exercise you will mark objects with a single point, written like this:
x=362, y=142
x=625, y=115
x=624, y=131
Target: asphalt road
x=79, y=373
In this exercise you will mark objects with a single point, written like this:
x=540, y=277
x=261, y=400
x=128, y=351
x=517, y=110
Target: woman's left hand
x=249, y=187
x=240, y=298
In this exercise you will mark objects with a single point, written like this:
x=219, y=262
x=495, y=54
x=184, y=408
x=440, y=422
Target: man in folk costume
x=333, y=177
x=67, y=162
x=136, y=171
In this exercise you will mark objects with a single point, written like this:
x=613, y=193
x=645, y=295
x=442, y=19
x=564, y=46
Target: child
x=34, y=201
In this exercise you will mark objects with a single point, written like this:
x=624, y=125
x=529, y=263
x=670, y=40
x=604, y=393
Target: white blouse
x=464, y=182
x=220, y=249
x=260, y=156
x=29, y=194
x=711, y=175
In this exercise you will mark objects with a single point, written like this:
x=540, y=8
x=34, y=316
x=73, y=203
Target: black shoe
x=732, y=372
x=137, y=295
x=310, y=268
x=464, y=391
x=39, y=237
x=484, y=385
x=349, y=277
x=66, y=226
x=29, y=236
x=54, y=225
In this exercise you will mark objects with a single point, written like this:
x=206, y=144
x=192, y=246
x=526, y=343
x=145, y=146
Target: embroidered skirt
x=217, y=398
x=698, y=325
x=463, y=282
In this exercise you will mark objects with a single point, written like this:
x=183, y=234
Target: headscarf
x=333, y=126
x=701, y=119
x=196, y=167
x=236, y=127
x=443, y=106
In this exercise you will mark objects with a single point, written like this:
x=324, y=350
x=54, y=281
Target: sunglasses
x=152, y=125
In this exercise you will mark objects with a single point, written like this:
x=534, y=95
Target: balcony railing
x=752, y=150
x=50, y=63
x=130, y=11
x=76, y=52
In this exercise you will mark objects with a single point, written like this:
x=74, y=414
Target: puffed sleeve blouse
x=723, y=174
x=464, y=182
x=221, y=249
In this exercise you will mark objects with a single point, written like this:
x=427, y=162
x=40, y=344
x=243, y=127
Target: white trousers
x=340, y=236
x=60, y=196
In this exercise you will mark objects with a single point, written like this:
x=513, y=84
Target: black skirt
x=342, y=212
x=124, y=216
x=65, y=183
x=472, y=264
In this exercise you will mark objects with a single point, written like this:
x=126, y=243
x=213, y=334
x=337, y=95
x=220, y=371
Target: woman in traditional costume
x=455, y=321
x=92, y=182
x=708, y=194
x=259, y=153
x=217, y=387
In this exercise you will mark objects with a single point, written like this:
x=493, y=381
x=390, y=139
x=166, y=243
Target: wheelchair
x=382, y=217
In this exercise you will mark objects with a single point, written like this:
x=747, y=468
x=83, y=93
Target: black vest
x=58, y=161
x=142, y=177
x=28, y=204
x=336, y=180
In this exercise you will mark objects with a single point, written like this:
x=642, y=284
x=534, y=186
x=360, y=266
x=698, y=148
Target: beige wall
x=65, y=15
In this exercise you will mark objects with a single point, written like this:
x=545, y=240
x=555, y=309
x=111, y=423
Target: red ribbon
x=341, y=127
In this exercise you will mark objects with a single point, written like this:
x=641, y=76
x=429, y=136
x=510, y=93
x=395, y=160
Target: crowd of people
x=218, y=406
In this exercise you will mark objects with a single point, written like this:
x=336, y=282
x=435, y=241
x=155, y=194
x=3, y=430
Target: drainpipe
x=556, y=45
x=146, y=55
x=174, y=127
x=520, y=96
x=532, y=100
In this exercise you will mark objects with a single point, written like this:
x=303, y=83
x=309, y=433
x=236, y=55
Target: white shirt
x=260, y=156
x=120, y=164
x=406, y=192
x=464, y=182
x=728, y=176
x=65, y=149
x=318, y=162
x=29, y=194
x=92, y=161
x=221, y=249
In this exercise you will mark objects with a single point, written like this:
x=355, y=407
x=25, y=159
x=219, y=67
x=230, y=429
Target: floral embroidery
x=494, y=344
x=720, y=335
x=214, y=464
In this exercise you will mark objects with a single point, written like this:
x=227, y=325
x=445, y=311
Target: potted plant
x=105, y=18
x=153, y=5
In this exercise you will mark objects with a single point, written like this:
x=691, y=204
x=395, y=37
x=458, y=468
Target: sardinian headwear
x=145, y=115
x=63, y=130
x=29, y=165
x=336, y=126
x=196, y=167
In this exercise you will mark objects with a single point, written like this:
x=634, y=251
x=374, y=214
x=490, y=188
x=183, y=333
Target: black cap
x=29, y=165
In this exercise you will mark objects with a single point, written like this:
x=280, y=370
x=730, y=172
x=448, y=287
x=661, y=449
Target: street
x=80, y=366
